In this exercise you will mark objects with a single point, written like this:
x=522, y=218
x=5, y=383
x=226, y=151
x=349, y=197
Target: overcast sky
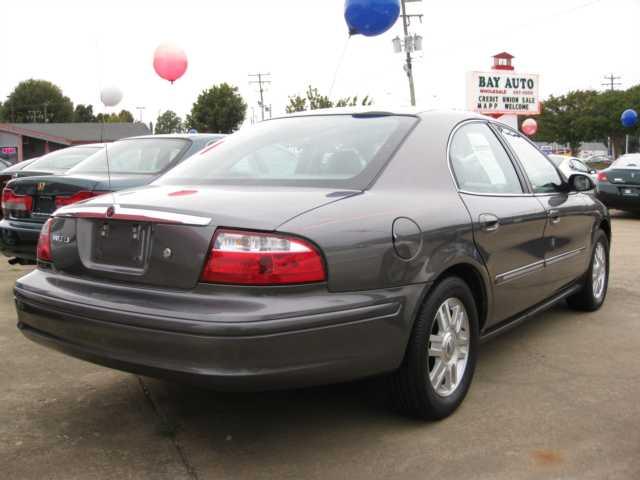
x=81, y=45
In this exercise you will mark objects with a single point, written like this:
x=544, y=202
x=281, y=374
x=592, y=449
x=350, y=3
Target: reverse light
x=62, y=200
x=43, y=250
x=253, y=258
x=602, y=177
x=15, y=203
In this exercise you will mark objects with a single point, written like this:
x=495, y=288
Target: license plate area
x=630, y=192
x=121, y=245
x=44, y=204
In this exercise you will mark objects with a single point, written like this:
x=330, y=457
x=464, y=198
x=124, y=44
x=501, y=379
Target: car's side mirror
x=593, y=171
x=580, y=182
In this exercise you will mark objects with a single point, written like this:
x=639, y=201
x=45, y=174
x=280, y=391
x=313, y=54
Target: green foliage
x=169, y=122
x=83, y=113
x=124, y=116
x=37, y=101
x=313, y=100
x=220, y=109
x=583, y=116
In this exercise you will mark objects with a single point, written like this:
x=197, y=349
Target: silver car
x=572, y=165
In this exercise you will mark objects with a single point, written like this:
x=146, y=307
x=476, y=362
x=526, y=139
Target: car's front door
x=569, y=224
x=508, y=221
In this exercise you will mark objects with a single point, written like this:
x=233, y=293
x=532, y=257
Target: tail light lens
x=43, y=250
x=62, y=200
x=15, y=203
x=251, y=258
x=602, y=177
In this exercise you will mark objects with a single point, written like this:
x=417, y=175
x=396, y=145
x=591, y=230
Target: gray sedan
x=321, y=248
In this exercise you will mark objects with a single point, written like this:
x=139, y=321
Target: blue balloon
x=371, y=17
x=629, y=118
x=192, y=131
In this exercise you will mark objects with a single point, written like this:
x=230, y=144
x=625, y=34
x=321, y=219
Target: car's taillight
x=43, y=250
x=62, y=200
x=602, y=177
x=13, y=202
x=253, y=258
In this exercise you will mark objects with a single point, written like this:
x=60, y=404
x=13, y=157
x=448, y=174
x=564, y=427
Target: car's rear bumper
x=286, y=338
x=610, y=195
x=19, y=239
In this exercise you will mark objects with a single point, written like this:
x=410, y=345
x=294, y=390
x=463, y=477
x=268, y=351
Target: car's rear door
x=569, y=224
x=508, y=221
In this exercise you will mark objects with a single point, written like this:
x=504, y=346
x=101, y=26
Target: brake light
x=62, y=200
x=43, y=250
x=602, y=177
x=252, y=258
x=13, y=202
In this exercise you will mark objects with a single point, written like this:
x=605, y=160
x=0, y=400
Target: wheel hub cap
x=448, y=347
x=599, y=271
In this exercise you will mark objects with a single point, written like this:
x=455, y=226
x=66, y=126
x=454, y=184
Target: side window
x=579, y=166
x=480, y=163
x=542, y=174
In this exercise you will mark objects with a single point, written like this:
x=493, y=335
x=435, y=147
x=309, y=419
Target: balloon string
x=335, y=74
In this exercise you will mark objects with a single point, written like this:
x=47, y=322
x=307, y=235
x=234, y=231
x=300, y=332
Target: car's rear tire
x=441, y=355
x=596, y=282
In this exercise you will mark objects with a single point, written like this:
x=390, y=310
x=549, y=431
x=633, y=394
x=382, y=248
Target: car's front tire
x=441, y=355
x=596, y=281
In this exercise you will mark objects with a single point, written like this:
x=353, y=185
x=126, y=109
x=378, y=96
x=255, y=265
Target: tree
x=124, y=116
x=37, y=101
x=313, y=100
x=83, y=113
x=219, y=109
x=169, y=122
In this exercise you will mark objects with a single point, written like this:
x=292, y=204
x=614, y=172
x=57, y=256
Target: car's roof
x=91, y=145
x=189, y=136
x=385, y=110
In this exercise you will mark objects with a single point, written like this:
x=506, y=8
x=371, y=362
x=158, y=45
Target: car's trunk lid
x=161, y=236
x=624, y=176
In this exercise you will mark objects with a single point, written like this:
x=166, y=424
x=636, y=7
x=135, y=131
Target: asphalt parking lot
x=556, y=398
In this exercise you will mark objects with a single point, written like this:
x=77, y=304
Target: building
x=21, y=141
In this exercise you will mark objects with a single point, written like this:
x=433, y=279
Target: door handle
x=489, y=222
x=554, y=216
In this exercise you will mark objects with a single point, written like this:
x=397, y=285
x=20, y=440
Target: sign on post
x=503, y=93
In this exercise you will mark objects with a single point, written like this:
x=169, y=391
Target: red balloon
x=529, y=127
x=170, y=62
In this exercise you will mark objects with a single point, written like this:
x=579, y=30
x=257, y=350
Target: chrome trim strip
x=125, y=213
x=519, y=272
x=564, y=256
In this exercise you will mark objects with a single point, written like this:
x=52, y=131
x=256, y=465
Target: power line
x=263, y=79
x=612, y=82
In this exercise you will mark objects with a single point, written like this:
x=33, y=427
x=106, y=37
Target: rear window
x=334, y=151
x=138, y=155
x=62, y=159
x=627, y=161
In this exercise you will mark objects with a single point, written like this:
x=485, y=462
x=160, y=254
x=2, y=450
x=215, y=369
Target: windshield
x=334, y=151
x=62, y=159
x=135, y=156
x=627, y=161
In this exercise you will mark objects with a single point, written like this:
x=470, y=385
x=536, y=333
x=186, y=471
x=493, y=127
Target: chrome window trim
x=482, y=194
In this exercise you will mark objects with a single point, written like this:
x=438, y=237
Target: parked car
x=619, y=185
x=596, y=160
x=58, y=161
x=9, y=173
x=392, y=244
x=570, y=165
x=28, y=202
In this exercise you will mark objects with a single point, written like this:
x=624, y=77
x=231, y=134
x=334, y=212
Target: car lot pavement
x=558, y=397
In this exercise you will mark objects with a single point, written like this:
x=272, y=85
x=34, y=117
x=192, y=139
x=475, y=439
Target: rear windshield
x=334, y=151
x=627, y=161
x=138, y=155
x=62, y=159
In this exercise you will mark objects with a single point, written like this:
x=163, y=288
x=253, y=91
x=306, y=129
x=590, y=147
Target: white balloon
x=111, y=96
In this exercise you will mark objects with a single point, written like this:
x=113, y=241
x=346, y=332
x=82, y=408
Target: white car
x=572, y=165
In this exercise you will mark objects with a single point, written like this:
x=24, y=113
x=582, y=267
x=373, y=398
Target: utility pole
x=611, y=84
x=410, y=44
x=140, y=109
x=409, y=66
x=263, y=79
x=612, y=81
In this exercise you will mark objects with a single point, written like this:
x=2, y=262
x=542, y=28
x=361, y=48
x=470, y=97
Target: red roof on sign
x=506, y=55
